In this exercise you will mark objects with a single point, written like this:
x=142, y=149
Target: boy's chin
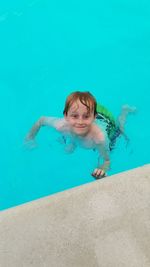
x=80, y=132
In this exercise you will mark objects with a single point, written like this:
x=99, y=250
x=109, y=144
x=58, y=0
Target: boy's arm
x=44, y=121
x=101, y=169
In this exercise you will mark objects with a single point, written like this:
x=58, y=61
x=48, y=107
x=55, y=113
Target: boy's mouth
x=80, y=126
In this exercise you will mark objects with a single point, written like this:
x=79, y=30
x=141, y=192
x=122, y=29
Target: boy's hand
x=30, y=143
x=98, y=173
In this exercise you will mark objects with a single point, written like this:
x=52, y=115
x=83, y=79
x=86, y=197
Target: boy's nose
x=80, y=121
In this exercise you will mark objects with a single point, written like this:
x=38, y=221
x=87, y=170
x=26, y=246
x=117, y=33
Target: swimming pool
x=48, y=50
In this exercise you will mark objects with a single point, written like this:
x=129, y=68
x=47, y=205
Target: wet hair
x=86, y=98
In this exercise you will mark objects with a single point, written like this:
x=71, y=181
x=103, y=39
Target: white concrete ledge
x=105, y=223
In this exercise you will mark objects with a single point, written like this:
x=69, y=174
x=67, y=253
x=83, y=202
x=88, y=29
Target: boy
x=80, y=128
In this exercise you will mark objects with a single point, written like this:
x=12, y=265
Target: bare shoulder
x=58, y=123
x=62, y=125
x=98, y=134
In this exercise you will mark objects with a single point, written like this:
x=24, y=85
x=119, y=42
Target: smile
x=80, y=127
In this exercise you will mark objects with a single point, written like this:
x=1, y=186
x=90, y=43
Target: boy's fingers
x=31, y=144
x=98, y=172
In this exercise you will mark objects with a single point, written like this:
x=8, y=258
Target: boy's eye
x=74, y=116
x=86, y=116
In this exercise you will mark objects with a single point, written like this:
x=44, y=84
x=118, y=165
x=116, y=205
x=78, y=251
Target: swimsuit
x=113, y=131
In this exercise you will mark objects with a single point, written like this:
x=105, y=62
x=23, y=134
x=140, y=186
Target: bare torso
x=92, y=139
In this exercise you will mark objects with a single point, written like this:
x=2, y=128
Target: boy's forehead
x=78, y=105
x=74, y=106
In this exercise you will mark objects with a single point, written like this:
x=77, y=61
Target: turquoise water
x=48, y=50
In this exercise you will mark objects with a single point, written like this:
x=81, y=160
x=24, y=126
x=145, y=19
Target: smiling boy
x=80, y=128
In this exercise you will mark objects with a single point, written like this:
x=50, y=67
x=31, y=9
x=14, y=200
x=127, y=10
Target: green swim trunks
x=113, y=131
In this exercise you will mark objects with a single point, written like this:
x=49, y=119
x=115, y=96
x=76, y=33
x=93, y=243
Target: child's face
x=79, y=118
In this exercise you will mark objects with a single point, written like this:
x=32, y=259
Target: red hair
x=86, y=98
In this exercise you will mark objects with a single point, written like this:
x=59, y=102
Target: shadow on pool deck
x=105, y=223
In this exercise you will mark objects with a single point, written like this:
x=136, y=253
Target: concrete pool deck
x=105, y=223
